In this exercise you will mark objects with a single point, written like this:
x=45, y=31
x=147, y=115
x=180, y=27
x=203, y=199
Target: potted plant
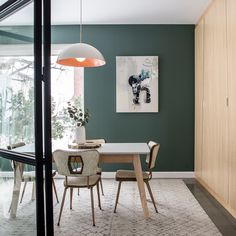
x=79, y=118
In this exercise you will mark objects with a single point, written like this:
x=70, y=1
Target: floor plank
x=220, y=217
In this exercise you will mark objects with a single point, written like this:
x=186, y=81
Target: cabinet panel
x=215, y=137
x=199, y=31
x=231, y=39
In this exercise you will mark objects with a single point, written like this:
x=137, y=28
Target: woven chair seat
x=129, y=175
x=81, y=181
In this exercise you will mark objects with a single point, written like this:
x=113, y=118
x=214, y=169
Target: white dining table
x=128, y=153
x=109, y=153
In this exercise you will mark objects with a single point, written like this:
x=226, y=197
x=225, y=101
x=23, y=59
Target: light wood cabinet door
x=231, y=39
x=215, y=137
x=199, y=33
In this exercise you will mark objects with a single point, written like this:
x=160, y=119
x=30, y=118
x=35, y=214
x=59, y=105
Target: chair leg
x=62, y=205
x=71, y=197
x=33, y=192
x=9, y=209
x=92, y=205
x=55, y=190
x=101, y=186
x=99, y=200
x=151, y=195
x=23, y=192
x=117, y=196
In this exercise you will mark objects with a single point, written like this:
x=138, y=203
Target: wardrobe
x=215, y=102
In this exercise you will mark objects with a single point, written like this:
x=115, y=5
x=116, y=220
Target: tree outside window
x=17, y=99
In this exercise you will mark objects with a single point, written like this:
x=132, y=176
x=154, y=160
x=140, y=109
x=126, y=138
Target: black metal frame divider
x=38, y=117
x=47, y=115
x=44, y=207
x=9, y=7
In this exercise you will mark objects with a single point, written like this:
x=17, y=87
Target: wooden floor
x=221, y=218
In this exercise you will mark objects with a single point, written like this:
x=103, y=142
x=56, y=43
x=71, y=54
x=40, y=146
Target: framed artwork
x=137, y=83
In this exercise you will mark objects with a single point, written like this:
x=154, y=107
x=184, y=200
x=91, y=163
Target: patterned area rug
x=179, y=213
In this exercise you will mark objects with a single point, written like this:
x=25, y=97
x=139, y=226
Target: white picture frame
x=137, y=83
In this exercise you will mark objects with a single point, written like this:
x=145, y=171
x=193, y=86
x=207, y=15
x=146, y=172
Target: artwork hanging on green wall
x=137, y=84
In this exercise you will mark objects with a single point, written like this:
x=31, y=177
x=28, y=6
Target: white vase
x=80, y=136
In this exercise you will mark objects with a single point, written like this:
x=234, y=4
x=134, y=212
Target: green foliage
x=0, y=113
x=58, y=124
x=16, y=101
x=21, y=120
x=77, y=115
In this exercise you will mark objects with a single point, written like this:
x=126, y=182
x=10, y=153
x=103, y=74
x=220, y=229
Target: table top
x=105, y=149
x=124, y=148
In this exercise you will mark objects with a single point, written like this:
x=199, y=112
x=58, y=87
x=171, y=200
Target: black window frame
x=42, y=159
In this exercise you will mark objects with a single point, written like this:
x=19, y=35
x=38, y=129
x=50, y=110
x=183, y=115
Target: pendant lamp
x=81, y=54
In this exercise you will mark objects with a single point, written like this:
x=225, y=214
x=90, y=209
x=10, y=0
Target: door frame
x=43, y=157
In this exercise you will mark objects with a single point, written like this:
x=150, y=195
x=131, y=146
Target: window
x=17, y=98
x=67, y=84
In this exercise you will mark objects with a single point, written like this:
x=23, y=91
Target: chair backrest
x=101, y=140
x=151, y=158
x=15, y=145
x=15, y=164
x=76, y=163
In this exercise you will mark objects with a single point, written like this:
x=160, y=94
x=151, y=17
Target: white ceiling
x=118, y=12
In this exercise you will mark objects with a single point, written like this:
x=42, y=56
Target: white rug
x=179, y=213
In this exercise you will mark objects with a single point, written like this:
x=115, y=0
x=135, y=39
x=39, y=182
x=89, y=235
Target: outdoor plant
x=58, y=122
x=79, y=116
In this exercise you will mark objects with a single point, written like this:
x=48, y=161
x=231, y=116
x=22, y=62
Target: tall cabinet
x=199, y=79
x=215, y=102
x=231, y=39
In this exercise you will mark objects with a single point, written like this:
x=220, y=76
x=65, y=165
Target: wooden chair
x=80, y=171
x=29, y=176
x=99, y=170
x=129, y=175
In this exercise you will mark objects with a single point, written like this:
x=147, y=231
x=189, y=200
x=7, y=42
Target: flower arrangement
x=79, y=117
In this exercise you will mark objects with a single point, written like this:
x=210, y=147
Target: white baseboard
x=174, y=175
x=158, y=175
x=111, y=175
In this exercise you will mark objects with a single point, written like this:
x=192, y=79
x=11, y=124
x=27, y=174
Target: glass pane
x=13, y=177
x=17, y=79
x=2, y=2
x=16, y=100
x=17, y=122
x=67, y=86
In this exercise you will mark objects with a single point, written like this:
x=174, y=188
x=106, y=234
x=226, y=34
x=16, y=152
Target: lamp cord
x=80, y=21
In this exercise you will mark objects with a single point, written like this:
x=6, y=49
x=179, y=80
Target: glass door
x=25, y=166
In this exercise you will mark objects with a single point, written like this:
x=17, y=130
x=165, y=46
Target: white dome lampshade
x=81, y=55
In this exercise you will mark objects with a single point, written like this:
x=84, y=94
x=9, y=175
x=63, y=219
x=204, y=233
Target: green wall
x=173, y=125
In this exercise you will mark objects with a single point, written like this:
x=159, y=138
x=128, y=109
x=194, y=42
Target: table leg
x=18, y=171
x=140, y=182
